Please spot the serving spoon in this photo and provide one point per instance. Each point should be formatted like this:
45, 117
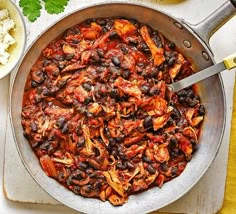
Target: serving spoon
227, 63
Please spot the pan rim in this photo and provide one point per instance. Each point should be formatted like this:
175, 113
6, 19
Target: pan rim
102, 4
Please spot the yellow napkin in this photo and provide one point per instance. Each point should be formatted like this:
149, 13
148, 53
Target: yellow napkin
229, 205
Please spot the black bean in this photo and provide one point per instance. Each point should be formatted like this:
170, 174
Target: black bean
115, 70
89, 114
54, 90
171, 103
39, 90
100, 53
170, 122
69, 56
119, 148
144, 73
87, 86
114, 93
140, 64
150, 169
146, 159
88, 100
154, 73
38, 98
61, 122
101, 21
175, 114
69, 180
144, 47
130, 165
38, 76
174, 153
105, 29
75, 40
191, 102
113, 35
46, 62
92, 175
181, 99
65, 129
61, 177
76, 190
159, 44
171, 61
173, 143
58, 57
126, 74
171, 45
33, 126
51, 137
194, 144
190, 94
107, 131
120, 165
100, 69
125, 50
157, 41
119, 139
182, 93
34, 84
144, 89
97, 185
83, 165
116, 61
174, 170
154, 91
201, 110
95, 57
122, 156
112, 141
164, 167
62, 83
45, 145
80, 142
133, 21
35, 144
133, 41
87, 188
114, 153
51, 150
148, 123
182, 122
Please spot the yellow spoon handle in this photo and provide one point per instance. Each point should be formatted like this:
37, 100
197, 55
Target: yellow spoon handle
230, 61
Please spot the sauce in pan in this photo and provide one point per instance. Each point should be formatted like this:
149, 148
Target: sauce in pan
98, 115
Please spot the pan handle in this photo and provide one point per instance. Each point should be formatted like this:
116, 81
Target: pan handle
206, 28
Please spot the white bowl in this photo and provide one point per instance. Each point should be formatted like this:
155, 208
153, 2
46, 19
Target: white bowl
19, 34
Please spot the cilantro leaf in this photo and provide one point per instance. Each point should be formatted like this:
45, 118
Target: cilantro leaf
55, 7
31, 8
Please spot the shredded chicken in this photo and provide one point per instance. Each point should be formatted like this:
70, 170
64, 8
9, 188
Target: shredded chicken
98, 114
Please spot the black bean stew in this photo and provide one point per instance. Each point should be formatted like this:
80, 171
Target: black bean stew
98, 115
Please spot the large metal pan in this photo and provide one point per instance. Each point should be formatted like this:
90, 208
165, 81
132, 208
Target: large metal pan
193, 42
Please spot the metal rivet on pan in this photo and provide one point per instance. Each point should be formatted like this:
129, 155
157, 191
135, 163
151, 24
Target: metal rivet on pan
178, 25
187, 44
205, 55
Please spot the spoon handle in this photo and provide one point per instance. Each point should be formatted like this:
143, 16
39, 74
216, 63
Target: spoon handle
228, 63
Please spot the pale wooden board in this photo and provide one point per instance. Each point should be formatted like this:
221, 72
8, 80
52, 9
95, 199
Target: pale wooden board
206, 197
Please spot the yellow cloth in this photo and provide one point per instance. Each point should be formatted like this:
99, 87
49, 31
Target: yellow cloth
229, 205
